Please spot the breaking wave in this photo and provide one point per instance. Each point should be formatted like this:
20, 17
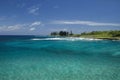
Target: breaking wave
66, 39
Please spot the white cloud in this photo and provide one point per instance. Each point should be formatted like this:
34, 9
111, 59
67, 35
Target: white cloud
64, 29
34, 25
34, 10
30, 26
10, 28
89, 23
37, 23
58, 29
16, 27
32, 29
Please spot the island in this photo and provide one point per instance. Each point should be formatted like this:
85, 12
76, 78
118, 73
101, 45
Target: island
106, 35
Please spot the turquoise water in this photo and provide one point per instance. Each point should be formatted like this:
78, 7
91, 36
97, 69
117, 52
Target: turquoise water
43, 58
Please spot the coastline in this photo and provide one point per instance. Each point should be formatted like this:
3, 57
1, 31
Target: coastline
104, 35
104, 38
109, 38
89, 37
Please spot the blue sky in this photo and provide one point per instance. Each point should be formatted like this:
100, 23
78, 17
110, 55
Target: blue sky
38, 17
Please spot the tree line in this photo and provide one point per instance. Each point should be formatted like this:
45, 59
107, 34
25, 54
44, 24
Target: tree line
61, 33
111, 33
115, 33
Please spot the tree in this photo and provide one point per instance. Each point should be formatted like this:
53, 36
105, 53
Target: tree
54, 33
63, 33
71, 33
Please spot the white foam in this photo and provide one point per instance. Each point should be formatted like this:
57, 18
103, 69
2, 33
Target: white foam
67, 39
35, 39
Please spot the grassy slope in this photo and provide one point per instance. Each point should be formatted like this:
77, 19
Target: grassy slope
112, 35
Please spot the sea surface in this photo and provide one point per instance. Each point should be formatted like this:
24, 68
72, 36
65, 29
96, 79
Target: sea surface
49, 58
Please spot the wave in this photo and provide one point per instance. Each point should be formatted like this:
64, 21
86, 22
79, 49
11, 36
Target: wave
66, 39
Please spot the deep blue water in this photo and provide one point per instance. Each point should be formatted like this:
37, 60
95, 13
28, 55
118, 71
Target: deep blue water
45, 58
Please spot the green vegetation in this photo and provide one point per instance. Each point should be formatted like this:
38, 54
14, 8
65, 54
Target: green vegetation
61, 33
113, 35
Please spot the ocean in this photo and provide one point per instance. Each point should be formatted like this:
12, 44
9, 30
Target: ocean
49, 58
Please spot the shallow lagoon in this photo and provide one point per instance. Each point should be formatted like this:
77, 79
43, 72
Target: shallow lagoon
42, 58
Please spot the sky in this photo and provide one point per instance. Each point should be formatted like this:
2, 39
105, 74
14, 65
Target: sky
40, 17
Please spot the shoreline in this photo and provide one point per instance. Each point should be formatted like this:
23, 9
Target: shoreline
88, 38
104, 38
104, 35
